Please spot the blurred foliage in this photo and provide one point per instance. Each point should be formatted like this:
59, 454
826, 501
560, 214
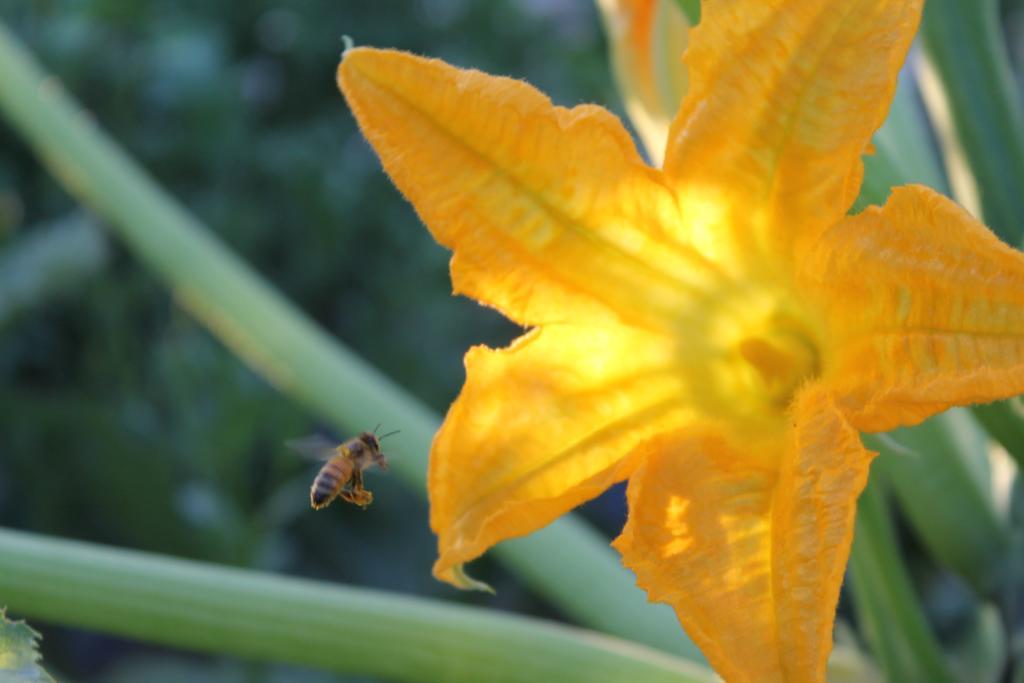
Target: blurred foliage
126, 423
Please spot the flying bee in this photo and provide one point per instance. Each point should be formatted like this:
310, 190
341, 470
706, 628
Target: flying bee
342, 473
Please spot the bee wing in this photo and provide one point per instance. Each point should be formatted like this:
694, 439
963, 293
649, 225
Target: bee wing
315, 447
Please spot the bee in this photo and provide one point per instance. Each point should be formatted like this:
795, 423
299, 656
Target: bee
342, 473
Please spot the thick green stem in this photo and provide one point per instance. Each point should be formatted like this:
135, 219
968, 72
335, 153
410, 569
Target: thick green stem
584, 578
966, 46
884, 599
260, 616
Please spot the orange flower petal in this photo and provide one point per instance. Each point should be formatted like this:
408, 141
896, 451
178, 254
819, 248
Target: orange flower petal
541, 427
647, 39
551, 212
925, 310
784, 97
751, 556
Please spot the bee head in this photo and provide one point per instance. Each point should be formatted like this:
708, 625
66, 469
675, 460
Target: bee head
371, 441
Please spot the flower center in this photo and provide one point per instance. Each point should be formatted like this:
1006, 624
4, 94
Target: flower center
782, 358
757, 345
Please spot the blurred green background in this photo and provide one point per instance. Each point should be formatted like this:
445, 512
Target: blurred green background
123, 421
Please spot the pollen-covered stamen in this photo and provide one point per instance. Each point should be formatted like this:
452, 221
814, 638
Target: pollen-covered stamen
783, 359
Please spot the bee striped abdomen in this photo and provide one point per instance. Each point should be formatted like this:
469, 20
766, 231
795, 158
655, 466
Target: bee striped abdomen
329, 482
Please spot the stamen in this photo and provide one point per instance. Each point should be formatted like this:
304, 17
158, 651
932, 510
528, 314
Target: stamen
783, 359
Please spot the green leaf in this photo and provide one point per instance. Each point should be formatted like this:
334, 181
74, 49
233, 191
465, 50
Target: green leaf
904, 140
883, 597
904, 152
967, 48
1004, 421
19, 656
691, 8
982, 650
944, 487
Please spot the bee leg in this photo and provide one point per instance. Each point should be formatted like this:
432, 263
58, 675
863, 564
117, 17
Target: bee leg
355, 493
362, 497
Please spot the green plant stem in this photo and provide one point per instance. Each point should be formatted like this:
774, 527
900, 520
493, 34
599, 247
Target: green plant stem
583, 578
884, 599
260, 616
943, 485
966, 46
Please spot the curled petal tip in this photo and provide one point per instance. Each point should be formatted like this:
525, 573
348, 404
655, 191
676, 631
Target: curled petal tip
458, 577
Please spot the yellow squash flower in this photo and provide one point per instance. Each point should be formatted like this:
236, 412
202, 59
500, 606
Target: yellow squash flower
717, 332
